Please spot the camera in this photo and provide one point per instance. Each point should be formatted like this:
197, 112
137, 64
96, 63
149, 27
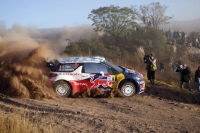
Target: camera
146, 57
179, 68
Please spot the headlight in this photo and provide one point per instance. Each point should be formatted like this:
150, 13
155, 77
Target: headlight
137, 78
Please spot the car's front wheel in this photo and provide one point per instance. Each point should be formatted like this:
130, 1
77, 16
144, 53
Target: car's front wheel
62, 88
128, 89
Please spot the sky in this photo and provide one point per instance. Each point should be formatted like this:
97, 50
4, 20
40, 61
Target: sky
73, 13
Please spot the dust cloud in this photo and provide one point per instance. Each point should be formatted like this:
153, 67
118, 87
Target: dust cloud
23, 72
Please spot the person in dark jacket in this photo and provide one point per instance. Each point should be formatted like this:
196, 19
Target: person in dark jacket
185, 73
197, 77
162, 67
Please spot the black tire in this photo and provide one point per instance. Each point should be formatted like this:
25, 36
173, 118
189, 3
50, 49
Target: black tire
128, 89
62, 88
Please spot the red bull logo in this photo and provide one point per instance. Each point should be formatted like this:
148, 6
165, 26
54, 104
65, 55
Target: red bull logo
102, 81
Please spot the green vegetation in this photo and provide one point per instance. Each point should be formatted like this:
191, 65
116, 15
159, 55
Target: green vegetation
152, 41
113, 21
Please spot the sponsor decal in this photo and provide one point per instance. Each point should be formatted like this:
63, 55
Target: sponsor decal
80, 84
71, 74
75, 83
101, 81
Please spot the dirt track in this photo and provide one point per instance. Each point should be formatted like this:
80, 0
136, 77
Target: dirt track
141, 113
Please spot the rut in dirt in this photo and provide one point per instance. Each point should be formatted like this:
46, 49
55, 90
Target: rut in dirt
164, 91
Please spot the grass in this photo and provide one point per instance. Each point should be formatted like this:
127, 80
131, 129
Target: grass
15, 123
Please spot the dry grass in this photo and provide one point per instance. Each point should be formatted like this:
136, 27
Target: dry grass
15, 123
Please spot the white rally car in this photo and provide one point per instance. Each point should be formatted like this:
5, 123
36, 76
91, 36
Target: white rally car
76, 74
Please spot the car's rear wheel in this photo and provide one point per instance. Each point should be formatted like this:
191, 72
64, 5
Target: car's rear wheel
128, 89
62, 88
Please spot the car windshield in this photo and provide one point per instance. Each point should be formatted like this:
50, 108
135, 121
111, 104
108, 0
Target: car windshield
119, 69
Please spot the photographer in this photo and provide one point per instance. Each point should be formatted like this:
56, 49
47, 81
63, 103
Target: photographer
184, 75
151, 68
197, 78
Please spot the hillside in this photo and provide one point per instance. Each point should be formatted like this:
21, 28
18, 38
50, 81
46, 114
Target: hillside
186, 26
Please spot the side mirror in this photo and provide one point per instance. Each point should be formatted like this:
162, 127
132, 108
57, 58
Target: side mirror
102, 73
51, 65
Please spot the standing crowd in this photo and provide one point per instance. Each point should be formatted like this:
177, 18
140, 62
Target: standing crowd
182, 38
184, 70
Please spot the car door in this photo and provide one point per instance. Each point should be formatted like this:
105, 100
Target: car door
96, 75
71, 72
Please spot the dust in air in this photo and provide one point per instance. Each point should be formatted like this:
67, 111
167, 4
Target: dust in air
22, 68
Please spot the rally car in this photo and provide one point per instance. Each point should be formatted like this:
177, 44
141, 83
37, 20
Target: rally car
72, 75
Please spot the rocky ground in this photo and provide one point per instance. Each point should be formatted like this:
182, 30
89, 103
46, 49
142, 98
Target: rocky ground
152, 111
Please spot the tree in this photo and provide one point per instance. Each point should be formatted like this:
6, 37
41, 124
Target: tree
156, 44
153, 13
113, 21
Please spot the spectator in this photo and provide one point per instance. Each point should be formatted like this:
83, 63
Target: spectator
173, 41
197, 42
197, 77
185, 76
162, 67
170, 42
174, 66
171, 34
194, 41
183, 35
149, 23
144, 19
151, 68
166, 34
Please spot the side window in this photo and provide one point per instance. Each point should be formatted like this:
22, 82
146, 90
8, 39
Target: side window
68, 67
110, 71
95, 68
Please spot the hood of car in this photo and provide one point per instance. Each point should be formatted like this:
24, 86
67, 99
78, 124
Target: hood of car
132, 73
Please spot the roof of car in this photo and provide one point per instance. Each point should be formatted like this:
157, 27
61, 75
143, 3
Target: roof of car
81, 59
